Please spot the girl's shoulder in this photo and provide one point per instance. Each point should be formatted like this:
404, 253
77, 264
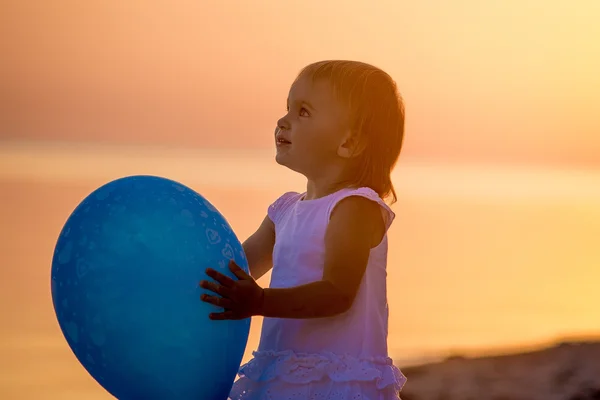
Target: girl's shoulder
368, 193
282, 204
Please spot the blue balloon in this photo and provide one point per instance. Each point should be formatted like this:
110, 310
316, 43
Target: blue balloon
125, 277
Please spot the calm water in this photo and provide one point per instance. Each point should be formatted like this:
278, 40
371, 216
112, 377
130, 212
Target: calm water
474, 264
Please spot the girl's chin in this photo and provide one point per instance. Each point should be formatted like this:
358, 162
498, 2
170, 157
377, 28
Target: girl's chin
281, 156
281, 162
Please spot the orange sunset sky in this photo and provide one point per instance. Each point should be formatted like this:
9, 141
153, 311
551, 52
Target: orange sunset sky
505, 81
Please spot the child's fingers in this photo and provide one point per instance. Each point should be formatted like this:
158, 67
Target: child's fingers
214, 287
217, 301
237, 270
223, 316
219, 277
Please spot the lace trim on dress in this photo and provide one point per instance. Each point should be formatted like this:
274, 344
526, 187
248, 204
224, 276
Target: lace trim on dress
302, 368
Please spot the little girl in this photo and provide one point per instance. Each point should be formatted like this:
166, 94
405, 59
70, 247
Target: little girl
324, 335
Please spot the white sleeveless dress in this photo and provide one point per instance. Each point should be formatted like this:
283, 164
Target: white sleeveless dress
341, 357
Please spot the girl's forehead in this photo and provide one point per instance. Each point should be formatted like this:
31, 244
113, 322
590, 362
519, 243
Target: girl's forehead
315, 91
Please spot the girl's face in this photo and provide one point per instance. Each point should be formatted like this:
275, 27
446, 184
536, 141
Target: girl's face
309, 136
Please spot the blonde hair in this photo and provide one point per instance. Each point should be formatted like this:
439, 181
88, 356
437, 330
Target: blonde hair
376, 113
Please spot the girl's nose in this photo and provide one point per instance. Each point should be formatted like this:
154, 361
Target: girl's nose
283, 124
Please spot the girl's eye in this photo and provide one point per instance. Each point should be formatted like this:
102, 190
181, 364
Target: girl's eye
304, 112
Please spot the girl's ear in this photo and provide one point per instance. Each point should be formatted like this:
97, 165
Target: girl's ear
351, 146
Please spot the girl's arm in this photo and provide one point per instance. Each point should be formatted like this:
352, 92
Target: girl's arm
355, 227
259, 249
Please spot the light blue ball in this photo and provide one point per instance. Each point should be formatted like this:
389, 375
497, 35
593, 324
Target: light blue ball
125, 277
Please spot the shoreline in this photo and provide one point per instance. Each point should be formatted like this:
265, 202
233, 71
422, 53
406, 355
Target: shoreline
566, 371
495, 352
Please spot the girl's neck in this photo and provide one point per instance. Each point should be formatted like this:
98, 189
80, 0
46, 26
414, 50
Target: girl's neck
316, 189
328, 179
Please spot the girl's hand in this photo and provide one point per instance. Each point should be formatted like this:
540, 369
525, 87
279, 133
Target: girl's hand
240, 299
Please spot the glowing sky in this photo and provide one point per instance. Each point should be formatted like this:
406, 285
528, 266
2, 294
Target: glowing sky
482, 80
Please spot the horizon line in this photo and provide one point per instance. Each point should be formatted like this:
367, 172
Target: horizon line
74, 161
